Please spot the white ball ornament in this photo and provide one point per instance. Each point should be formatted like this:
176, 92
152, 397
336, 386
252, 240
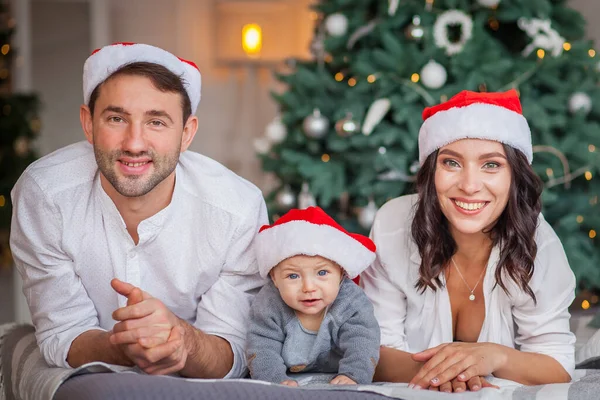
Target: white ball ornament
336, 24
580, 101
285, 198
489, 3
276, 131
262, 145
366, 215
433, 75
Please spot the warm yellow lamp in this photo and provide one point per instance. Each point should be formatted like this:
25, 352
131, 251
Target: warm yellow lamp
252, 39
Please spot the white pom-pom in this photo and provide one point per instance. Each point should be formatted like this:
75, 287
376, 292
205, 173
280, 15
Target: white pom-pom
433, 75
580, 101
336, 24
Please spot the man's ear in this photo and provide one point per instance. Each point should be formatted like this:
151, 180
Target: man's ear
189, 131
85, 116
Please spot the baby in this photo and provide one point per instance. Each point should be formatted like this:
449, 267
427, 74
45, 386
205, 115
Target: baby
310, 316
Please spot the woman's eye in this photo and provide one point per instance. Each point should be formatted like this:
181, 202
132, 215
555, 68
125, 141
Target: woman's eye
491, 165
451, 163
322, 272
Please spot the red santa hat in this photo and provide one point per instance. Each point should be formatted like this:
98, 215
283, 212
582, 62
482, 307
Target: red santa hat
312, 232
491, 116
105, 61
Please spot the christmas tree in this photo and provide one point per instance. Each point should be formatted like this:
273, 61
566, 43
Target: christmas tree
18, 126
346, 137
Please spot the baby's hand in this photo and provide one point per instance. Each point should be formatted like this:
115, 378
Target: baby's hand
342, 380
290, 382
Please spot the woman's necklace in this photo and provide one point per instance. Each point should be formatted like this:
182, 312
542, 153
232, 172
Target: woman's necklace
471, 296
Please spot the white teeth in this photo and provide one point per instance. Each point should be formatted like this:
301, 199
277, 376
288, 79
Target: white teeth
136, 164
469, 206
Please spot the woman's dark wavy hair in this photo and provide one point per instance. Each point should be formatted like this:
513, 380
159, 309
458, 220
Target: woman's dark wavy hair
514, 231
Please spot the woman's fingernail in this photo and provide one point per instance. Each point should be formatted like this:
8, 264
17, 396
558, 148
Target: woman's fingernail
461, 377
410, 386
435, 381
417, 387
459, 390
475, 387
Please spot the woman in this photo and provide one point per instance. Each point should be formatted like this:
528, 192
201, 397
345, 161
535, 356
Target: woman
470, 280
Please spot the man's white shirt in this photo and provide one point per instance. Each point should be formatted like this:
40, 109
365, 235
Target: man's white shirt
196, 255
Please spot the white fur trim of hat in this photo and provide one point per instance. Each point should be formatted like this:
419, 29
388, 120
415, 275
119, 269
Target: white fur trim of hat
312, 232
105, 61
472, 115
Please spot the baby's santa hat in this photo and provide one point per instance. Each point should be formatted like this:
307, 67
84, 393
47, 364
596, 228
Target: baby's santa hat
472, 115
105, 61
312, 232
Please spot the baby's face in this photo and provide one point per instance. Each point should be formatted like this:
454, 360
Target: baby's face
307, 284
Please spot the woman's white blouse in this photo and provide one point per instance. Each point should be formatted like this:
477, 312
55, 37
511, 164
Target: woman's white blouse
413, 321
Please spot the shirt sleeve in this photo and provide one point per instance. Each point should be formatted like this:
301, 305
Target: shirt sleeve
388, 299
266, 337
60, 307
544, 327
359, 341
223, 310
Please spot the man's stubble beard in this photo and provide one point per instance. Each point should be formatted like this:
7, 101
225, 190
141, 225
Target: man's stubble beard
137, 185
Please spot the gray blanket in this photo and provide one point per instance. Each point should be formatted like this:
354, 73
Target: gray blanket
25, 375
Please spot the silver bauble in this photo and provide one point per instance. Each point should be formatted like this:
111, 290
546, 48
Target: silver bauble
366, 215
276, 131
347, 126
414, 31
415, 167
580, 101
315, 126
285, 198
306, 198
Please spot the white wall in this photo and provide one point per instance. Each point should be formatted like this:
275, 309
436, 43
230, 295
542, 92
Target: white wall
235, 104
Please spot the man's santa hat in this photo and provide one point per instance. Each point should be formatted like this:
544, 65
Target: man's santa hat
107, 60
491, 116
312, 232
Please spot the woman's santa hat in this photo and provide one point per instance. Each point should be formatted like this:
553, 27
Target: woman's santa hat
107, 60
311, 232
472, 115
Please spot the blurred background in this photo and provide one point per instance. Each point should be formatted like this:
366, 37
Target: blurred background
319, 102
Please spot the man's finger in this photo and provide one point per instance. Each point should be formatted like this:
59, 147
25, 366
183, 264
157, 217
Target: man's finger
136, 296
135, 311
135, 335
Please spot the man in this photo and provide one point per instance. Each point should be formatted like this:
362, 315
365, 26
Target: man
141, 255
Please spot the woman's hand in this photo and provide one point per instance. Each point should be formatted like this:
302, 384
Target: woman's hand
463, 361
474, 384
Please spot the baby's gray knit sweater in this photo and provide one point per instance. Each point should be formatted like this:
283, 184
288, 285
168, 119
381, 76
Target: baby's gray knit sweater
347, 342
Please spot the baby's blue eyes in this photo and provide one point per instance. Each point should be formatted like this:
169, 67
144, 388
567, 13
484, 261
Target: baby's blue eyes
322, 272
293, 276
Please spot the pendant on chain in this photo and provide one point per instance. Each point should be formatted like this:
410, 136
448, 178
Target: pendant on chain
472, 297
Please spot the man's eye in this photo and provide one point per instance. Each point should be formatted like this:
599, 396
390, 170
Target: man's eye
115, 119
157, 123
